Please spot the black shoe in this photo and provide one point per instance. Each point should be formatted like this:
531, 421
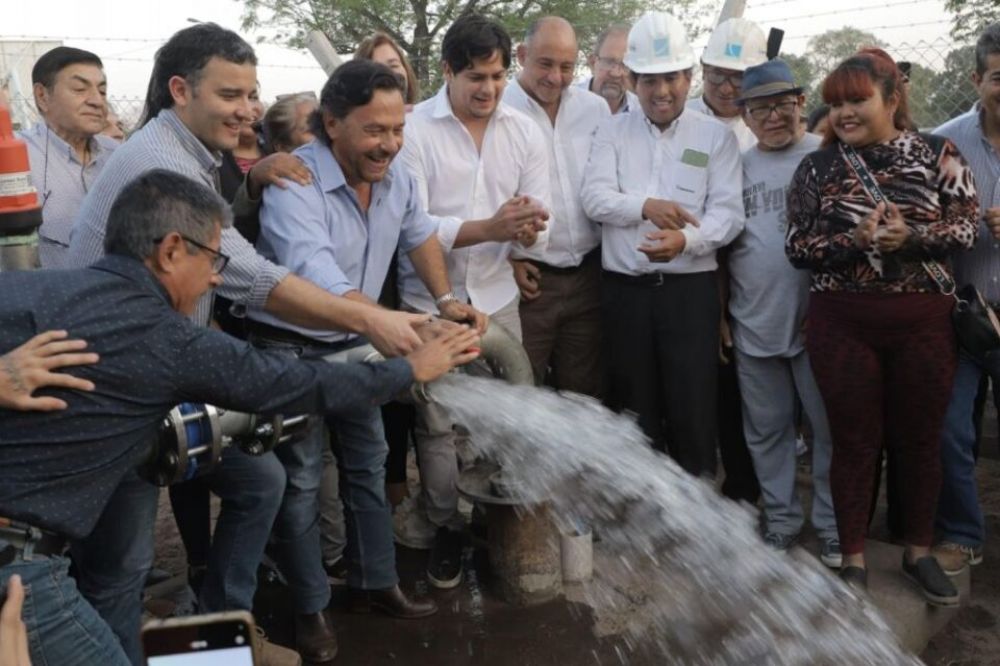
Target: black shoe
444, 568
315, 638
855, 577
336, 571
391, 601
936, 587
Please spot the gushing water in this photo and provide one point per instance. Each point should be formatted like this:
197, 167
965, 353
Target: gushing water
690, 579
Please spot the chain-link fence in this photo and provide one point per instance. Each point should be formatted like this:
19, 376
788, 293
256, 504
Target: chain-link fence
940, 86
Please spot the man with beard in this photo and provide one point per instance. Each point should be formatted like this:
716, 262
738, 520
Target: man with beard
609, 77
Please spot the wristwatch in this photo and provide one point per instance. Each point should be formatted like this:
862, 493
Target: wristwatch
445, 298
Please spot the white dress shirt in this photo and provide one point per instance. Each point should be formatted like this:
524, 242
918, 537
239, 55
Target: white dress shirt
631, 99
694, 162
743, 134
568, 145
457, 182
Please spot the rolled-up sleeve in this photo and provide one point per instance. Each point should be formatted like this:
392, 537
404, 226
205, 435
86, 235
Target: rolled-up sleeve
294, 230
602, 196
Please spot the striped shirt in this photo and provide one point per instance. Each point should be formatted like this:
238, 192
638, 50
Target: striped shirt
166, 143
62, 181
980, 266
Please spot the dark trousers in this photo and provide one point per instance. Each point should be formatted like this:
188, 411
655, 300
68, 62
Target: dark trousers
884, 364
740, 483
562, 327
662, 346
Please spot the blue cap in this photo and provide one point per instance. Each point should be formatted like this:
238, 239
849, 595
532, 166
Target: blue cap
773, 77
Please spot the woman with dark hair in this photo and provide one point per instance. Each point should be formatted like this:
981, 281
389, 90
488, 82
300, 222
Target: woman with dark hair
383, 49
874, 214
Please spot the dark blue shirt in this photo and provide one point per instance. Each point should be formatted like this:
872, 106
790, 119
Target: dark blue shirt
58, 469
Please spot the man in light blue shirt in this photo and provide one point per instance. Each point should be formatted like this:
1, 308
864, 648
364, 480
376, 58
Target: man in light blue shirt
65, 148
341, 232
960, 523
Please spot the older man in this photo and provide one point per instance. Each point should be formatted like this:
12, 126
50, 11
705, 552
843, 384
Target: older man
561, 290
609, 75
767, 302
665, 185
59, 470
66, 148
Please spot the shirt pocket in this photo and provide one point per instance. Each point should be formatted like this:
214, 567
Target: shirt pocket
687, 185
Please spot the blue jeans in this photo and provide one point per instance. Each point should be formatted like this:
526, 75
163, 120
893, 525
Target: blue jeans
112, 561
959, 515
62, 627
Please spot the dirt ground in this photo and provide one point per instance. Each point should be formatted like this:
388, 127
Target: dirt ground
476, 628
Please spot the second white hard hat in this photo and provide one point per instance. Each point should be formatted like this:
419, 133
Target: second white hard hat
658, 44
736, 44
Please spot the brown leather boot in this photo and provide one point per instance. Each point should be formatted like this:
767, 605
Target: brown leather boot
315, 638
391, 601
272, 654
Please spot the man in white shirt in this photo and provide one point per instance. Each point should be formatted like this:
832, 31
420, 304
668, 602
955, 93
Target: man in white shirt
561, 291
735, 44
482, 167
666, 186
609, 75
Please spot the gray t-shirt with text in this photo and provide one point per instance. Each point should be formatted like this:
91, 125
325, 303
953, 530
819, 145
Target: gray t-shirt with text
768, 296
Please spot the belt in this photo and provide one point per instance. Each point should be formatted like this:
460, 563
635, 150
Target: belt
27, 541
566, 270
644, 280
263, 330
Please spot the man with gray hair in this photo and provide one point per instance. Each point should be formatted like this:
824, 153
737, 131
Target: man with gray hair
59, 470
960, 524
609, 75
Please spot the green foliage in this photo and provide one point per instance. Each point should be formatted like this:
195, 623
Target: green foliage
953, 93
419, 25
971, 16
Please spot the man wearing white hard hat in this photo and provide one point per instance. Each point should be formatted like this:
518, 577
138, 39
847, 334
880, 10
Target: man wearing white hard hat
735, 44
666, 186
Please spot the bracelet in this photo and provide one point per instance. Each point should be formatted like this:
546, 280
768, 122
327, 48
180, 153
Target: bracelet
445, 298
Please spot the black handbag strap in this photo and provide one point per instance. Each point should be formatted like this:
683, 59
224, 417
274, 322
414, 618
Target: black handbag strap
934, 269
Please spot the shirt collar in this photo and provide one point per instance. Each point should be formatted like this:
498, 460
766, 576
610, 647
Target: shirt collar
59, 146
208, 159
135, 271
329, 172
655, 131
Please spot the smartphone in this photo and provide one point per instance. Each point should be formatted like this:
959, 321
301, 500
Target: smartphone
215, 639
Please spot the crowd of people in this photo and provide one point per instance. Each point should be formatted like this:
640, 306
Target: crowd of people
738, 282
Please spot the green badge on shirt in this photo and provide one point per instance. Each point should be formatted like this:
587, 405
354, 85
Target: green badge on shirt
695, 158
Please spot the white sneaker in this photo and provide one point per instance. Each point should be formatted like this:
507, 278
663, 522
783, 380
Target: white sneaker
410, 526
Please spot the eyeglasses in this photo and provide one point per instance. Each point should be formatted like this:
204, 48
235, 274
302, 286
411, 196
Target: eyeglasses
219, 260
611, 64
715, 77
785, 108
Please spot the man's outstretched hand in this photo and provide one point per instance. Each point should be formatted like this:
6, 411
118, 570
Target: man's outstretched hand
439, 355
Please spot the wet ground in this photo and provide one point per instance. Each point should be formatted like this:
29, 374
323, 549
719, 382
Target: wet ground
475, 627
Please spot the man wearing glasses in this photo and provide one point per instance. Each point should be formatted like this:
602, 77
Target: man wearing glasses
59, 470
768, 306
735, 44
610, 76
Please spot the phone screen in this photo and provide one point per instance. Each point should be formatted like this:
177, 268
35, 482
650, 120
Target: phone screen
220, 642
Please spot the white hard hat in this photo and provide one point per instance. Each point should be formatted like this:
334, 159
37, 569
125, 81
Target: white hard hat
658, 44
736, 44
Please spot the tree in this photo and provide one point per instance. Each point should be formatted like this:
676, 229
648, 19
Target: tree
971, 16
418, 25
923, 109
953, 93
802, 72
827, 50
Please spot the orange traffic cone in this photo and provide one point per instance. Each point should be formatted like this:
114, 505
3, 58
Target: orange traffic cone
20, 214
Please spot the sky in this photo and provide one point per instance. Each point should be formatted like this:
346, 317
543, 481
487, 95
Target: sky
126, 33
